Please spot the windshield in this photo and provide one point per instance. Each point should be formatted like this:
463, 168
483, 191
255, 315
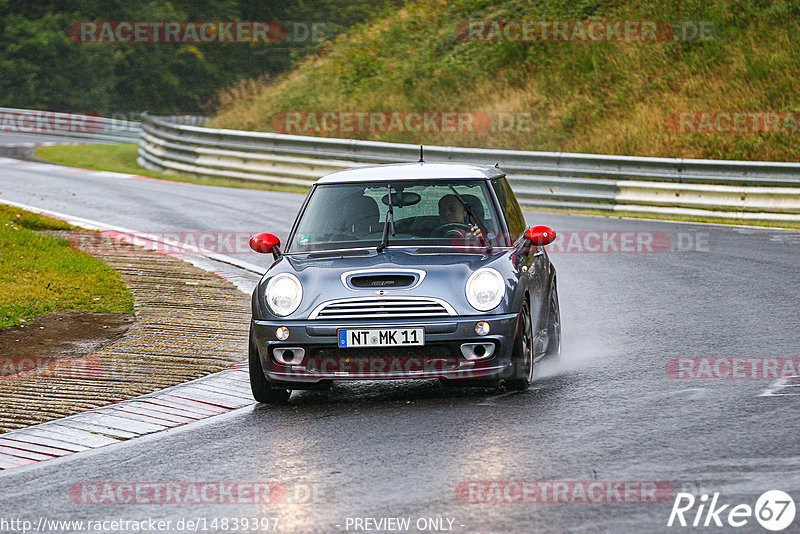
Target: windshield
341, 216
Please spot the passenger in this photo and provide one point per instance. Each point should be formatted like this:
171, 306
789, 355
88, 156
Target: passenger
361, 216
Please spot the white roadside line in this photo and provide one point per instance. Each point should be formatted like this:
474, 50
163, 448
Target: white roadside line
780, 387
178, 405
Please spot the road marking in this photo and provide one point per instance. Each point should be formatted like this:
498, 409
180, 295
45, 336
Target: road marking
781, 387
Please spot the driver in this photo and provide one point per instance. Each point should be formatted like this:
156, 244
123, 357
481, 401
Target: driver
451, 211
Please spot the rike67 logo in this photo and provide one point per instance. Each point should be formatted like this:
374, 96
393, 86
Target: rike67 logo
774, 510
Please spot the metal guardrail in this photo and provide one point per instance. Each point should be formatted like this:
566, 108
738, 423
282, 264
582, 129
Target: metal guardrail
658, 186
80, 125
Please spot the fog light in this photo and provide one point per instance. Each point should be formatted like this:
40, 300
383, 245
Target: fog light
482, 328
282, 333
289, 355
477, 351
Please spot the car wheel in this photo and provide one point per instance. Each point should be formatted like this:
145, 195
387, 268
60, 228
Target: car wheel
262, 391
523, 352
554, 327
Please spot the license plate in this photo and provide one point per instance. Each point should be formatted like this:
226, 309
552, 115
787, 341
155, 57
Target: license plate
381, 337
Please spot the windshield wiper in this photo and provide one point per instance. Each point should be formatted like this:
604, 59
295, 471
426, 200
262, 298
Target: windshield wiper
389, 217
478, 223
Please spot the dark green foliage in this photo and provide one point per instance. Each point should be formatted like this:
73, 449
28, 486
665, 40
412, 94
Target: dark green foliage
42, 68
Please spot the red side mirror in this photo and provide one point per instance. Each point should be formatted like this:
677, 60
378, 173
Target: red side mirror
264, 243
540, 235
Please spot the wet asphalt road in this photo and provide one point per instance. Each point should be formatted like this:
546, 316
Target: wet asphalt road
7, 139
608, 412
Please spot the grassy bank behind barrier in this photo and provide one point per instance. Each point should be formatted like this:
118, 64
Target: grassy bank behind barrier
608, 96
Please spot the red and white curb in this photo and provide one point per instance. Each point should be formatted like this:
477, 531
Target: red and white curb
175, 406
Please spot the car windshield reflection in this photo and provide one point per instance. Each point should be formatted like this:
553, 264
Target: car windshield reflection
455, 213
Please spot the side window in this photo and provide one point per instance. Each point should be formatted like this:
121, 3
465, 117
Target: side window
510, 207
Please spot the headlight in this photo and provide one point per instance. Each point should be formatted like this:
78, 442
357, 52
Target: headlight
284, 294
485, 289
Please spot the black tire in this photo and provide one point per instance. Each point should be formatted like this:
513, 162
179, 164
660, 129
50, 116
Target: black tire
262, 391
523, 352
554, 327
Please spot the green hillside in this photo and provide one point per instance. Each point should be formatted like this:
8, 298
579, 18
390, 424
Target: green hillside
604, 96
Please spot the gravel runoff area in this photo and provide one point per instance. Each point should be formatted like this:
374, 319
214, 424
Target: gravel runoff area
189, 323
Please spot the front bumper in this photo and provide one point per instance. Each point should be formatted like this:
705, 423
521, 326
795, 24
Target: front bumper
440, 357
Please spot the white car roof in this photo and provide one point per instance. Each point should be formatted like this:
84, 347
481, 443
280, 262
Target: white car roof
412, 171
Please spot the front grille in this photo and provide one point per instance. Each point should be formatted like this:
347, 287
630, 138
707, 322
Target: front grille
382, 308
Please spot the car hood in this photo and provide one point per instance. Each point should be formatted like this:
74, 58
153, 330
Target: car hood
445, 277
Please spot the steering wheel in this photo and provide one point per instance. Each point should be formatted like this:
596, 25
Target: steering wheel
454, 229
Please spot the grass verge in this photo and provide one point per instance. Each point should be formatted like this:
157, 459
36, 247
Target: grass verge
40, 274
122, 158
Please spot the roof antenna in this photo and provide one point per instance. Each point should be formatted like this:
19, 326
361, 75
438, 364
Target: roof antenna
420, 155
